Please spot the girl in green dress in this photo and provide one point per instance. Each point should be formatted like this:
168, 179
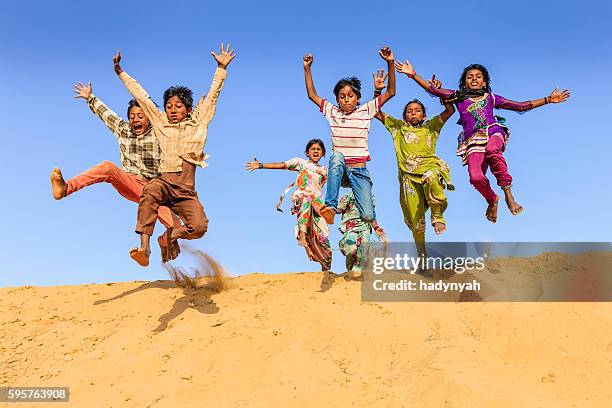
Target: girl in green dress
423, 176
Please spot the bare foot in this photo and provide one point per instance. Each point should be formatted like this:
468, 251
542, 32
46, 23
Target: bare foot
328, 214
58, 185
168, 252
491, 213
140, 255
514, 207
439, 227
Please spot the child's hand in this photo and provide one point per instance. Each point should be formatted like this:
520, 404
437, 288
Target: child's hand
308, 59
379, 79
82, 91
226, 56
386, 54
252, 165
436, 83
404, 68
116, 60
381, 234
557, 97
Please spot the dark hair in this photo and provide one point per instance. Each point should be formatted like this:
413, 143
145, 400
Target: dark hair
131, 104
353, 82
313, 142
183, 93
485, 75
414, 101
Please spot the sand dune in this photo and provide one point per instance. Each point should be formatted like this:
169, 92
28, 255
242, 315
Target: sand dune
283, 340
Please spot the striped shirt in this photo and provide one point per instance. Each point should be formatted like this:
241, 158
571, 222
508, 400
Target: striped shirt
349, 131
139, 155
184, 140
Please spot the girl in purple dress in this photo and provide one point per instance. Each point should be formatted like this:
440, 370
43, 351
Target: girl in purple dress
484, 135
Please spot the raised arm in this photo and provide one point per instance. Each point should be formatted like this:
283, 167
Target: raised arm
310, 88
554, 97
138, 92
256, 164
406, 68
206, 107
379, 84
386, 54
113, 121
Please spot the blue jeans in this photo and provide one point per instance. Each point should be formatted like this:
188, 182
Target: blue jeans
360, 182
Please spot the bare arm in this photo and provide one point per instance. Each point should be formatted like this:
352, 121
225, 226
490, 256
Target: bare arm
449, 108
406, 68
379, 85
310, 88
256, 164
386, 54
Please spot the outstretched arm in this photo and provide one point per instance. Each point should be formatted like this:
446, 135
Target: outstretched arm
205, 109
554, 97
137, 92
113, 121
379, 85
386, 54
256, 164
310, 88
406, 68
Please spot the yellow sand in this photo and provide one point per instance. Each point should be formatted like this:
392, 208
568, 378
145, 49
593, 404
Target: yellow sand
278, 340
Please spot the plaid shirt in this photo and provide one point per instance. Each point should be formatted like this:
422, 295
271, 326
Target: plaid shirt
184, 140
139, 155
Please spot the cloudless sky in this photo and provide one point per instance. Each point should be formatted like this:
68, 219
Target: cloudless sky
559, 155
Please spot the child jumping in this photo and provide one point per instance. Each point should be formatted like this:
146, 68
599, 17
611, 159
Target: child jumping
350, 126
356, 233
139, 154
422, 175
311, 229
484, 135
182, 136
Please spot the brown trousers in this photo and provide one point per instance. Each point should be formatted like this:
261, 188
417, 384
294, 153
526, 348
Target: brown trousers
176, 191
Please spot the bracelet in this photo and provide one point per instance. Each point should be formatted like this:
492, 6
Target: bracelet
546, 100
412, 75
261, 165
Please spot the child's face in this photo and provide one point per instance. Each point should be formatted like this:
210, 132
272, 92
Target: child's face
347, 99
139, 123
474, 79
176, 110
414, 114
315, 153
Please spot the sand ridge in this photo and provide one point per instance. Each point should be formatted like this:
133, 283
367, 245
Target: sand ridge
286, 340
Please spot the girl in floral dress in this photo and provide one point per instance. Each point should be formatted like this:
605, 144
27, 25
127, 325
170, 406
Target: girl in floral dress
311, 229
484, 135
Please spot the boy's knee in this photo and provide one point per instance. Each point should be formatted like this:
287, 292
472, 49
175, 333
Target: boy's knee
198, 229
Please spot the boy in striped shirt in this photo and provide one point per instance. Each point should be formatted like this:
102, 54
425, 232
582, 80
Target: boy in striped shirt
350, 126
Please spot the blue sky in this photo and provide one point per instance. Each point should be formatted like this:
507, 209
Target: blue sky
558, 154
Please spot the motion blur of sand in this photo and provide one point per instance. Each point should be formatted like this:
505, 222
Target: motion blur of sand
283, 340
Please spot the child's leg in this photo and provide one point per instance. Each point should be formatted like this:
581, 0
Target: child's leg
477, 168
335, 171
436, 199
192, 213
361, 184
499, 168
412, 201
362, 251
105, 172
153, 194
